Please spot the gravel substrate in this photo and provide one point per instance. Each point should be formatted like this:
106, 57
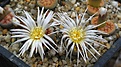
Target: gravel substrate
51, 58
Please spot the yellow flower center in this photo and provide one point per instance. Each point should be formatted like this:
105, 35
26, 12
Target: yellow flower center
36, 33
76, 35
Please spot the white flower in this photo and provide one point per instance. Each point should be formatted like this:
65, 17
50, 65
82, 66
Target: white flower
102, 11
34, 32
1, 10
78, 36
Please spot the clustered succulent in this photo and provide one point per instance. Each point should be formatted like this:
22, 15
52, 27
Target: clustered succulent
77, 34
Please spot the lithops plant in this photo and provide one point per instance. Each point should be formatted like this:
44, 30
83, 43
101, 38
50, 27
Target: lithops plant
94, 5
48, 4
108, 27
6, 18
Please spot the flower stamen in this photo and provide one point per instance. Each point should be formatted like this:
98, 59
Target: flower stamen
36, 33
76, 35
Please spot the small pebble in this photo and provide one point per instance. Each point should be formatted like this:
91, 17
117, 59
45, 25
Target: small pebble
50, 66
52, 52
114, 36
110, 38
7, 38
13, 40
73, 1
77, 9
119, 16
45, 60
45, 65
33, 11
108, 45
119, 33
32, 4
90, 65
60, 63
66, 66
4, 31
28, 0
64, 62
111, 42
93, 60
73, 15
55, 59
15, 47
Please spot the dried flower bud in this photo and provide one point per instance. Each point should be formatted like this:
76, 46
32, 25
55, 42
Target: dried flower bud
115, 4
102, 11
1, 10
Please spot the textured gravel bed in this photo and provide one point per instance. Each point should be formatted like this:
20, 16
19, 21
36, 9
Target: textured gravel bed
51, 58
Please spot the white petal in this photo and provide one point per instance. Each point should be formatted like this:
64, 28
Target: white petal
48, 18
64, 21
23, 33
30, 18
91, 34
41, 47
38, 16
53, 32
67, 21
64, 30
39, 22
32, 48
24, 20
85, 50
30, 42
50, 39
80, 52
20, 40
83, 15
23, 48
91, 17
95, 26
69, 43
77, 19
95, 31
21, 25
92, 47
90, 27
91, 53
49, 45
26, 46
40, 52
43, 17
21, 30
53, 24
36, 45
72, 22
15, 36
44, 43
96, 38
82, 48
92, 41
15, 20
64, 36
70, 50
